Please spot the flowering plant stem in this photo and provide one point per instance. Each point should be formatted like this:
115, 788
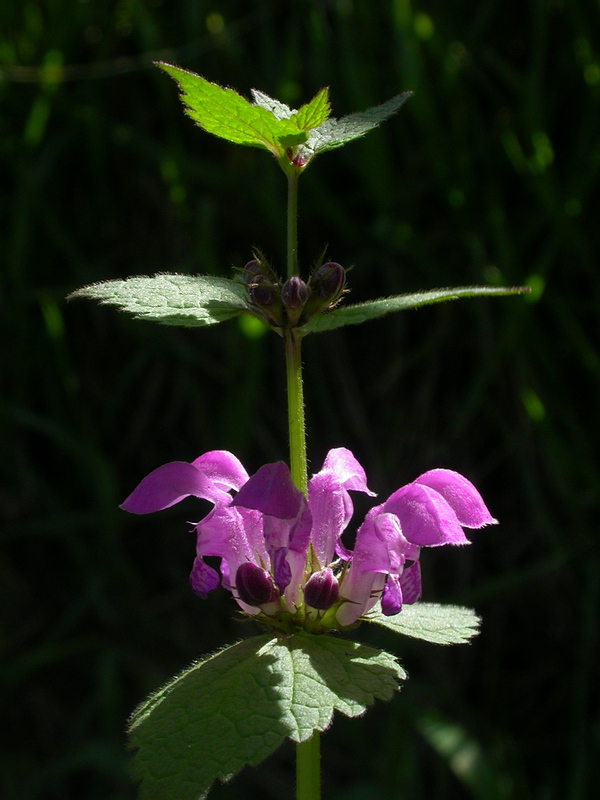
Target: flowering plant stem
292, 222
297, 436
308, 772
308, 753
277, 534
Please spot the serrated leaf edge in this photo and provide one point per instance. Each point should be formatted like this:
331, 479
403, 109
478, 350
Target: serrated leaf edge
428, 298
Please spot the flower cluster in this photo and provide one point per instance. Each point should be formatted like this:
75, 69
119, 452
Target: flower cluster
281, 553
294, 302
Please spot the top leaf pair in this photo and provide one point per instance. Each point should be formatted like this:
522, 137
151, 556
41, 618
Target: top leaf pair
294, 137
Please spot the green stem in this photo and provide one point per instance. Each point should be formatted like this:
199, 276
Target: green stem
308, 754
297, 433
293, 358
308, 772
292, 223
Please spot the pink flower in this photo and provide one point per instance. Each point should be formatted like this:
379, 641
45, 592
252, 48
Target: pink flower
273, 541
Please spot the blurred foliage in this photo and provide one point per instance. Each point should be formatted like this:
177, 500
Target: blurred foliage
488, 175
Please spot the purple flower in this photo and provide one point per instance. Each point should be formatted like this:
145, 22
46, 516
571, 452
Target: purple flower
274, 542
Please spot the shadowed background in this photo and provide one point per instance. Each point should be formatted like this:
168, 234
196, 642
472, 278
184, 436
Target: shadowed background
487, 175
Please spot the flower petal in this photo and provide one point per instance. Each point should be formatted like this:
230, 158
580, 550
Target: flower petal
331, 510
391, 599
393, 542
346, 468
425, 516
271, 491
410, 583
461, 495
203, 578
170, 484
372, 547
223, 469
376, 545
361, 590
234, 534
282, 572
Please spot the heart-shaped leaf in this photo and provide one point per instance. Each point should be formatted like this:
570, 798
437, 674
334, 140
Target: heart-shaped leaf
235, 707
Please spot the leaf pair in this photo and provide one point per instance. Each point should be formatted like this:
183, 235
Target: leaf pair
196, 301
294, 137
290, 135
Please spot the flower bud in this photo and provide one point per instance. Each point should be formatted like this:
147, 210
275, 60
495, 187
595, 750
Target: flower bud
321, 590
328, 281
261, 292
265, 296
325, 288
254, 585
251, 271
294, 292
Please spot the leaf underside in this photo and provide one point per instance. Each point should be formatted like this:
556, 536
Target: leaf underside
440, 624
372, 309
334, 133
171, 299
237, 706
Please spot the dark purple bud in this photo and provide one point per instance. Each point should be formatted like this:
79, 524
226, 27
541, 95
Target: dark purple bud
294, 292
251, 271
254, 585
261, 292
321, 590
328, 281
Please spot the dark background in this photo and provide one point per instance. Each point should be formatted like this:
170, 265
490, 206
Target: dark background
487, 175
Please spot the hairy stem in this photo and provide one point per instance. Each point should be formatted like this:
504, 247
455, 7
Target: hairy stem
297, 433
308, 769
308, 754
292, 223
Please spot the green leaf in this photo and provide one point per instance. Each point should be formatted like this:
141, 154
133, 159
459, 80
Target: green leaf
276, 107
227, 114
314, 113
187, 300
337, 132
431, 622
237, 706
220, 714
362, 312
327, 674
308, 116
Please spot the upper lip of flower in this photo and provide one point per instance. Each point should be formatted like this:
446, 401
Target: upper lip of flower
271, 524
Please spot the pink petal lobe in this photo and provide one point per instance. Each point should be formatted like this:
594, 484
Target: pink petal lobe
203, 578
271, 491
223, 469
391, 599
410, 583
168, 485
425, 516
348, 471
331, 510
461, 496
